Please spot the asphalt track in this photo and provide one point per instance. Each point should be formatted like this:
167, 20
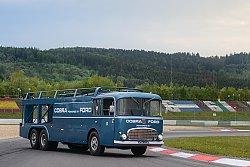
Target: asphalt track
17, 153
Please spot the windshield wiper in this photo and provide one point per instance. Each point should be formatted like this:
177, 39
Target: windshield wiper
148, 101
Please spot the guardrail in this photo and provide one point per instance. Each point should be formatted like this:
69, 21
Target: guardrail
206, 123
10, 121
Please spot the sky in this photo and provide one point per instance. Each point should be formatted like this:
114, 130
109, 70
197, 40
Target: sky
207, 27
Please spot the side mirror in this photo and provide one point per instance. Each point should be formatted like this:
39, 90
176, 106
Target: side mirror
112, 109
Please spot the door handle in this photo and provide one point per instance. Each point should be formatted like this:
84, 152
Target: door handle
95, 122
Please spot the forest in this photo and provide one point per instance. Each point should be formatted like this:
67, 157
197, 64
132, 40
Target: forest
18, 84
173, 76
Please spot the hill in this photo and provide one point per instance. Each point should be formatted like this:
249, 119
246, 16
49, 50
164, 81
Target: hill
132, 67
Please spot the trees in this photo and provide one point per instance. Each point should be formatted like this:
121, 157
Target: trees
209, 92
96, 81
18, 83
194, 77
135, 66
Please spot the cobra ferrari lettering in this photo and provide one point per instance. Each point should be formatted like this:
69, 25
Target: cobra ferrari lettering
153, 121
60, 110
80, 110
83, 110
133, 121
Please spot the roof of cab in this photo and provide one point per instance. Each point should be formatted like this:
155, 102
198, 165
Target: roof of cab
119, 95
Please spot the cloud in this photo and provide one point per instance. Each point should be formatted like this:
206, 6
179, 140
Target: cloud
209, 26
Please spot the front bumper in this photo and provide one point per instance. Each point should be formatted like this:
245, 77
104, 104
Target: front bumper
138, 143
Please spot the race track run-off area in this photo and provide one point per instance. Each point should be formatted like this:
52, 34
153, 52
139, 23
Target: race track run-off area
200, 157
17, 153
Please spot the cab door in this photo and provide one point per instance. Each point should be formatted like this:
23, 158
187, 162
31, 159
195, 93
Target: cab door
107, 125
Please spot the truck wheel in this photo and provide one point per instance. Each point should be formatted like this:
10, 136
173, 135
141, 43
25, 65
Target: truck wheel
94, 144
77, 147
34, 139
138, 151
46, 145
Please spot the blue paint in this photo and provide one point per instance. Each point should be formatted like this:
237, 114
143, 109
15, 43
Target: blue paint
70, 118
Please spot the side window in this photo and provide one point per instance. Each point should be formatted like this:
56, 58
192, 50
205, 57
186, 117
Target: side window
108, 107
97, 107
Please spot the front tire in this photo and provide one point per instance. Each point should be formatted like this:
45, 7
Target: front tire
46, 145
34, 139
138, 151
94, 144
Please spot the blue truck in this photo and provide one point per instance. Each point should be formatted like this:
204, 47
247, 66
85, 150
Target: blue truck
93, 118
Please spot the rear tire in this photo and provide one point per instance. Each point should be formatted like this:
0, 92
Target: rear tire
138, 151
94, 144
34, 139
46, 145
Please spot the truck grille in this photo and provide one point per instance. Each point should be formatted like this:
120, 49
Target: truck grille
142, 134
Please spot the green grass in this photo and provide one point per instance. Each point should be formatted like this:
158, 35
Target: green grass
220, 116
11, 115
8, 105
240, 127
235, 146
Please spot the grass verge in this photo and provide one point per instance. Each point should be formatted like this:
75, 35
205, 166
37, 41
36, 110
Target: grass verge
10, 115
211, 116
240, 127
235, 146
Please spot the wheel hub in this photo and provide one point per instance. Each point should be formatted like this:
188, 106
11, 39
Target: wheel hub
43, 140
94, 143
33, 138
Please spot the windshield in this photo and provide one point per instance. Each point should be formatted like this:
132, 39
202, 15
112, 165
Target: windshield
138, 107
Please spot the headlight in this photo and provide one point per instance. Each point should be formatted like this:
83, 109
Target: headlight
123, 136
160, 137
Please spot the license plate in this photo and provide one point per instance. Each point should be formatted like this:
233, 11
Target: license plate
142, 142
